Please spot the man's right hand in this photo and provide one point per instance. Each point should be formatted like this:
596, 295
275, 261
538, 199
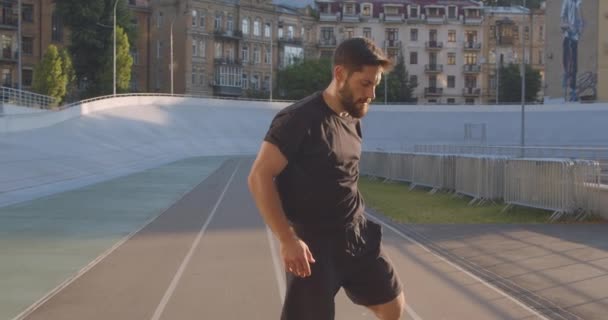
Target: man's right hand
297, 257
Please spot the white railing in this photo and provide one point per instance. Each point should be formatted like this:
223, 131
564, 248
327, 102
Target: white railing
25, 98
481, 178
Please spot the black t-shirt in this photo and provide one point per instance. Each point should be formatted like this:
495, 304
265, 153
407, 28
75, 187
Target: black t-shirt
318, 188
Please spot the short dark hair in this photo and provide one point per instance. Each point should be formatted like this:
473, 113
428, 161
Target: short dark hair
354, 53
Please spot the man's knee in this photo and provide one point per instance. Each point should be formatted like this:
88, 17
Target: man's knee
391, 310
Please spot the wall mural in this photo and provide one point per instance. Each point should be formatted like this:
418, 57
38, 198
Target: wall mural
572, 26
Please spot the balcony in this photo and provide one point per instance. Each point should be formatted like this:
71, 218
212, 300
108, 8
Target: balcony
471, 68
327, 43
433, 91
290, 41
472, 46
506, 41
392, 44
434, 45
471, 92
8, 55
415, 19
329, 17
433, 68
473, 20
351, 18
227, 61
8, 22
393, 18
228, 34
435, 19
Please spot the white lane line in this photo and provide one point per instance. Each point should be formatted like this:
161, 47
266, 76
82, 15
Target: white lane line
278, 270
499, 291
197, 240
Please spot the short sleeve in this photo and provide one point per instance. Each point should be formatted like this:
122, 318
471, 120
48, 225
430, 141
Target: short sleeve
287, 132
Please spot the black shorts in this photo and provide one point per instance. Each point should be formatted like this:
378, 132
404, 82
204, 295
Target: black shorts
354, 262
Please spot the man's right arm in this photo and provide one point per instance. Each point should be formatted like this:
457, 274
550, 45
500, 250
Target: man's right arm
268, 165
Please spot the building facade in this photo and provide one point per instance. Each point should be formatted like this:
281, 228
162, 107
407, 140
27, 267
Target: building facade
440, 41
509, 34
576, 51
225, 48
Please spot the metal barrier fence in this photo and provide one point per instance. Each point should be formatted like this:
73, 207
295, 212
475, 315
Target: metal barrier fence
25, 98
480, 177
566, 187
569, 188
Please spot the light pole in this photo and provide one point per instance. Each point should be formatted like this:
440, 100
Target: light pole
114, 56
171, 53
19, 51
523, 85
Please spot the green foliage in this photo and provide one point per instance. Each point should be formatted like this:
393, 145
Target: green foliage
49, 77
124, 62
91, 25
510, 84
303, 78
399, 87
532, 4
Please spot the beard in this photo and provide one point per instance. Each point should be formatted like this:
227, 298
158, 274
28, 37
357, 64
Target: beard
356, 109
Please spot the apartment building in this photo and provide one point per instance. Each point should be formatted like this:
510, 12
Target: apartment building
225, 47
140, 49
440, 41
503, 44
576, 51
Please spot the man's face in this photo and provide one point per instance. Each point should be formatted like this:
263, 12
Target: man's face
359, 89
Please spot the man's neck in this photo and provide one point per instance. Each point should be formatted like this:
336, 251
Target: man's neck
332, 100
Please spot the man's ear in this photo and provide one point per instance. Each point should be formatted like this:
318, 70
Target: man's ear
339, 73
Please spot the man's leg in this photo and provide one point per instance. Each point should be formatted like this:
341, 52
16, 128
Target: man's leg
391, 310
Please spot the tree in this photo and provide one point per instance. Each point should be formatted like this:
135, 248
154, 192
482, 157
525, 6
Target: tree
91, 32
303, 78
510, 84
400, 89
124, 62
49, 78
67, 68
532, 4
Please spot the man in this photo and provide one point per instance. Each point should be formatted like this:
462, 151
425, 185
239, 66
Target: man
304, 182
571, 25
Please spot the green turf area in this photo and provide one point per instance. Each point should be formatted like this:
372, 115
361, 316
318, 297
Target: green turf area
395, 200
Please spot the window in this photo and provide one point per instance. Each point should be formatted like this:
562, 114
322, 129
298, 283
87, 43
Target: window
541, 33
540, 57
527, 33
193, 78
201, 77
452, 12
391, 11
256, 28
267, 30
451, 82
7, 77
349, 33
280, 32
245, 26
201, 20
349, 9
451, 101
470, 82
218, 21
159, 19
202, 47
367, 10
229, 23
451, 35
367, 33
135, 56
230, 53
245, 53
470, 58
413, 34
194, 48
159, 48
492, 32
244, 81
290, 32
413, 57
27, 12
27, 76
266, 85
255, 82
413, 12
413, 80
27, 45
256, 54
218, 50
56, 28
451, 58
469, 101
267, 56
194, 18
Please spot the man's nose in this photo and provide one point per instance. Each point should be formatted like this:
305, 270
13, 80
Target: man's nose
371, 94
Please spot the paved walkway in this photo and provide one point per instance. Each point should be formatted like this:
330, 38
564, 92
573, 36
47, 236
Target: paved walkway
104, 252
